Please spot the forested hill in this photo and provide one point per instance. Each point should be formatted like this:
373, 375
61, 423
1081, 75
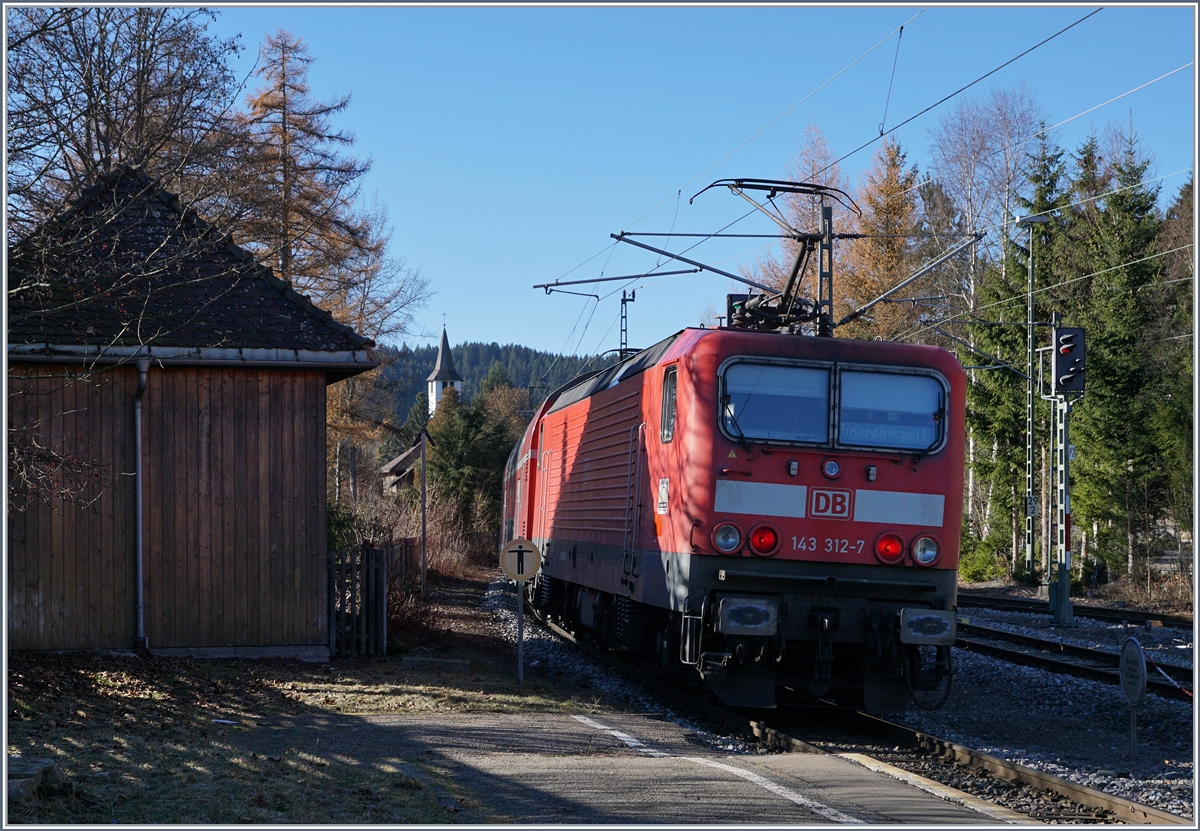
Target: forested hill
542, 372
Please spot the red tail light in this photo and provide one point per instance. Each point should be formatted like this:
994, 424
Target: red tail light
889, 548
764, 540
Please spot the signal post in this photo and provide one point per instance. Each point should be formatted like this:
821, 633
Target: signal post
1067, 384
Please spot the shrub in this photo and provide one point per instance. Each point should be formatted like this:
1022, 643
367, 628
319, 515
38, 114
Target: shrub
979, 560
339, 527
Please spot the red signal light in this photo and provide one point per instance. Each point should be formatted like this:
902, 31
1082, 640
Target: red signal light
764, 540
889, 548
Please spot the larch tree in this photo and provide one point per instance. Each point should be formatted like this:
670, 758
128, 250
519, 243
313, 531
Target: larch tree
886, 250
306, 221
301, 219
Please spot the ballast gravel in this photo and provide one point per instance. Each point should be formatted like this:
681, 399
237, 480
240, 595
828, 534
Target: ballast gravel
1071, 727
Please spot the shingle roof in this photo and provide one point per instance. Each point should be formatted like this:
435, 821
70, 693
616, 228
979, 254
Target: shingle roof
128, 266
443, 370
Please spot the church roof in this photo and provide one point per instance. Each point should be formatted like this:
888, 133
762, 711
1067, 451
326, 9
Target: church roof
443, 370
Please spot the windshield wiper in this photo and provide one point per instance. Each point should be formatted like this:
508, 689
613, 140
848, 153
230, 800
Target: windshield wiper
938, 415
730, 418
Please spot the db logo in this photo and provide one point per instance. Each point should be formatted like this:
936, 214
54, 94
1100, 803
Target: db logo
830, 503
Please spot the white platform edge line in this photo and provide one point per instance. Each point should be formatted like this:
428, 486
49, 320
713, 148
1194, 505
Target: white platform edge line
967, 800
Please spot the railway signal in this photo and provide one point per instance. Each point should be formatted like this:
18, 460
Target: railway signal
1066, 386
1068, 361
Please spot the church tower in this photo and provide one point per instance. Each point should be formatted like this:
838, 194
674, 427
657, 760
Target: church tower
443, 376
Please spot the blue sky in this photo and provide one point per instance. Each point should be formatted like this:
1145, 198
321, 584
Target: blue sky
509, 142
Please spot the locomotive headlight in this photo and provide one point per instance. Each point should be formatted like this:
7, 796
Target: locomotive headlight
727, 538
763, 540
889, 548
925, 550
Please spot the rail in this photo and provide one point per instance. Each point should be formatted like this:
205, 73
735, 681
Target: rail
967, 598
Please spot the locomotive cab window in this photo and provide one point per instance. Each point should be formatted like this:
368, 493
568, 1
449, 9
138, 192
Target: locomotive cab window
890, 410
667, 421
776, 403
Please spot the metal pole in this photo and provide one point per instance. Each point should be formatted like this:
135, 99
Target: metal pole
1063, 614
825, 275
520, 633
1132, 732
140, 640
424, 537
625, 321
1030, 502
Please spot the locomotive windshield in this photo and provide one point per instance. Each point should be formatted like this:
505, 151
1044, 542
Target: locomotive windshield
777, 403
885, 410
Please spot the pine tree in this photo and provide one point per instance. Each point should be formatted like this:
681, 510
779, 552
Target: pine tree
996, 397
1121, 485
1169, 349
497, 376
467, 457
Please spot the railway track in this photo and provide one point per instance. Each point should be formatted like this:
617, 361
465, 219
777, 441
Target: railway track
968, 598
918, 753
1084, 662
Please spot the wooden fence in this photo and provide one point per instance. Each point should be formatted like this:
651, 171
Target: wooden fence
360, 581
358, 584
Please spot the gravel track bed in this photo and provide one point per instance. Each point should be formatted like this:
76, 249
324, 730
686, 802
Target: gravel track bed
1071, 727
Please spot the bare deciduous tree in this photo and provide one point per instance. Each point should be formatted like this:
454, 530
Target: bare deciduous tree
93, 88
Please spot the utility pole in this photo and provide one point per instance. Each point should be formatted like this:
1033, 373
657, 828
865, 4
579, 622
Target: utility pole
424, 502
1030, 398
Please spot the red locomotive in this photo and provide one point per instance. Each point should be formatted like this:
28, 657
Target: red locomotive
778, 513
772, 510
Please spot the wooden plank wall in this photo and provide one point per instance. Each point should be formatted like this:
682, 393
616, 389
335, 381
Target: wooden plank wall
70, 564
234, 464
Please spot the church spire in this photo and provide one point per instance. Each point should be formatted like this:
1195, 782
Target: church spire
443, 376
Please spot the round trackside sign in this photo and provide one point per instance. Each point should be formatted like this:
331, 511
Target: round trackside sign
520, 560
1133, 671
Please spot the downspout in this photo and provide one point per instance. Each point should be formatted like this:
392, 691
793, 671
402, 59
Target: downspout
141, 642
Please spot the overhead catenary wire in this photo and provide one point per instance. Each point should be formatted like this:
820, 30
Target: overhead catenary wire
895, 61
899, 32
779, 117
751, 138
927, 109
1021, 297
1046, 130
961, 90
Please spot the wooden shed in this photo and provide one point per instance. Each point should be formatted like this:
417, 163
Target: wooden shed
134, 324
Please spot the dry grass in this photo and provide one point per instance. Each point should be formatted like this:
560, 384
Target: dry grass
138, 741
